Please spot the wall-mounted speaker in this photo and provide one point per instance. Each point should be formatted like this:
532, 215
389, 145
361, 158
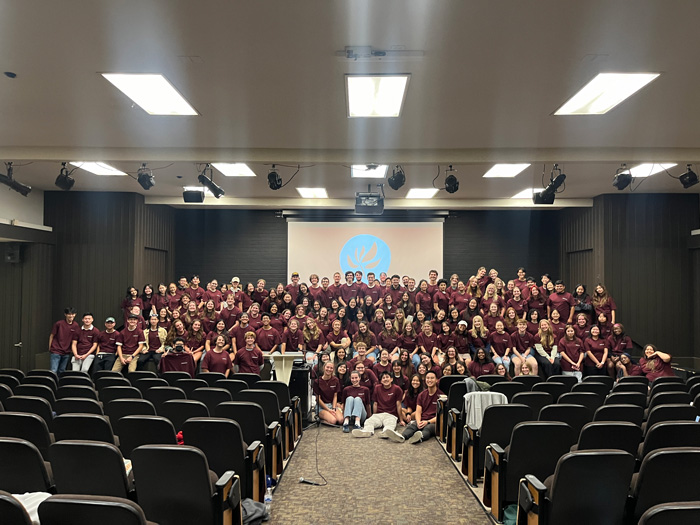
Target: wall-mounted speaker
12, 253
193, 196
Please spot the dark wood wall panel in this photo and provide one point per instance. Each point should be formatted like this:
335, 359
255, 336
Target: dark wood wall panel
503, 240
10, 315
155, 267
222, 244
648, 265
95, 249
580, 270
154, 231
695, 294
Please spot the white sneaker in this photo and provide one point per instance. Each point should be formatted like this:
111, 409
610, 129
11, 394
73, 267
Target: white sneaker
394, 436
383, 434
416, 438
361, 433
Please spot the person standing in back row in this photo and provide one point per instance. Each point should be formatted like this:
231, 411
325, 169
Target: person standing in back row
84, 345
61, 340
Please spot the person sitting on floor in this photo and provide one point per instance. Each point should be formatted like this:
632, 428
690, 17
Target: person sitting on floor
423, 425
386, 408
356, 399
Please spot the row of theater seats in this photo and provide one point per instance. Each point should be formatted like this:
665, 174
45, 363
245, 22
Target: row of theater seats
567, 451
82, 427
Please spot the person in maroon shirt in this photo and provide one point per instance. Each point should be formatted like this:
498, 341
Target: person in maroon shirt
389, 338
655, 363
213, 294
537, 301
533, 318
582, 328
423, 425
430, 365
229, 311
397, 375
237, 333
459, 299
195, 291
424, 300
132, 299
177, 358
523, 348
327, 389
383, 364
107, 346
491, 297
218, 360
155, 343
356, 399
558, 328
220, 329
249, 359
596, 353
260, 293
292, 338
428, 341
61, 340
604, 325
293, 287
373, 290
562, 301
481, 364
603, 303
571, 351
441, 299
501, 345
173, 297
618, 344
131, 345
348, 290
395, 290
84, 344
337, 338
492, 317
410, 397
521, 283
386, 409
268, 338
518, 303
325, 294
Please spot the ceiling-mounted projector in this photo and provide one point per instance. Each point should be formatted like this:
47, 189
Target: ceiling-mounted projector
369, 202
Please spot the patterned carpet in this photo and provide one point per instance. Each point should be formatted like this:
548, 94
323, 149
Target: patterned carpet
372, 481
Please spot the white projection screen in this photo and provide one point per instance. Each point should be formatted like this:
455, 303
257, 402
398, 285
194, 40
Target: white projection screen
404, 248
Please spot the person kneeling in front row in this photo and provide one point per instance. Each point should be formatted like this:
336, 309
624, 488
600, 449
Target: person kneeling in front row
423, 426
386, 409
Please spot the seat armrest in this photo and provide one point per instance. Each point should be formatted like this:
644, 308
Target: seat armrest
295, 401
256, 453
531, 499
274, 430
452, 417
440, 406
229, 482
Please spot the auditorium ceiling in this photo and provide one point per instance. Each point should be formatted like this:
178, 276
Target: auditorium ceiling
267, 79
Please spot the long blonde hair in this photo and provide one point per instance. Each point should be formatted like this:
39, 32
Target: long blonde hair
483, 332
546, 337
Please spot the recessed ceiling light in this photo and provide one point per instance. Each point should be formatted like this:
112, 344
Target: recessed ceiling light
153, 93
505, 170
646, 170
368, 171
313, 193
237, 169
198, 188
605, 92
98, 168
525, 194
421, 193
375, 96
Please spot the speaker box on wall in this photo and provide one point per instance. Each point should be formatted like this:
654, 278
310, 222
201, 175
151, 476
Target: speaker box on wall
193, 196
12, 253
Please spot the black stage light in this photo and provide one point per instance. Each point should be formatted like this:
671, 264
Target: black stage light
689, 178
451, 182
547, 195
145, 177
208, 183
20, 188
273, 179
397, 179
64, 181
623, 178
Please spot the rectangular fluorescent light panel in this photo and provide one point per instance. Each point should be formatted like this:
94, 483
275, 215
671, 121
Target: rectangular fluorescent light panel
605, 92
505, 170
98, 168
153, 93
646, 170
375, 96
525, 194
361, 171
421, 193
313, 193
237, 169
198, 188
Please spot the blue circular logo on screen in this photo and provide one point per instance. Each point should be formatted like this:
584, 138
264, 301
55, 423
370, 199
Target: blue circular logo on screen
366, 253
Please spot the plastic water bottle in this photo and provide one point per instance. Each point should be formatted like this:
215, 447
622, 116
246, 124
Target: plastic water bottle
268, 501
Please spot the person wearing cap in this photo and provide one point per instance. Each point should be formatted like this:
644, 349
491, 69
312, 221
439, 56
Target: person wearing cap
293, 287
155, 343
130, 347
84, 345
61, 340
107, 346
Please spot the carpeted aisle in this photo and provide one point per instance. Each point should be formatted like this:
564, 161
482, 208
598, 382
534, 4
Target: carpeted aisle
372, 481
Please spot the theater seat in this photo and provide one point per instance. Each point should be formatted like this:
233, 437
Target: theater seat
632, 413
529, 381
12, 511
134, 431
212, 397
180, 410
535, 400
670, 434
271, 408
84, 426
455, 400
587, 487
286, 400
23, 468
90, 510
26, 426
677, 513
160, 394
620, 435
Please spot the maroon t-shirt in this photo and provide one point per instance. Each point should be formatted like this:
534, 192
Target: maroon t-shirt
368, 379
596, 347
293, 340
520, 307
325, 390
230, 316
312, 344
428, 342
523, 342
249, 361
375, 292
173, 301
490, 322
486, 303
606, 308
396, 294
107, 342
386, 399
653, 368
238, 334
442, 299
572, 349
582, 332
540, 304
361, 392
325, 297
131, 340
559, 330
408, 342
195, 294
213, 336
562, 303
267, 339
335, 338
619, 345
63, 335
388, 341
445, 341
378, 368
499, 342
255, 322
353, 362
425, 302
153, 340
428, 404
460, 301
347, 291
85, 339
216, 362
215, 296
259, 296
477, 369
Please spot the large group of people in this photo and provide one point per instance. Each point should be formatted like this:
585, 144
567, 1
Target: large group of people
364, 337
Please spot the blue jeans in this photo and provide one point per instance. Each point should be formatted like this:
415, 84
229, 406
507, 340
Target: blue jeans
497, 360
354, 407
416, 360
58, 362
